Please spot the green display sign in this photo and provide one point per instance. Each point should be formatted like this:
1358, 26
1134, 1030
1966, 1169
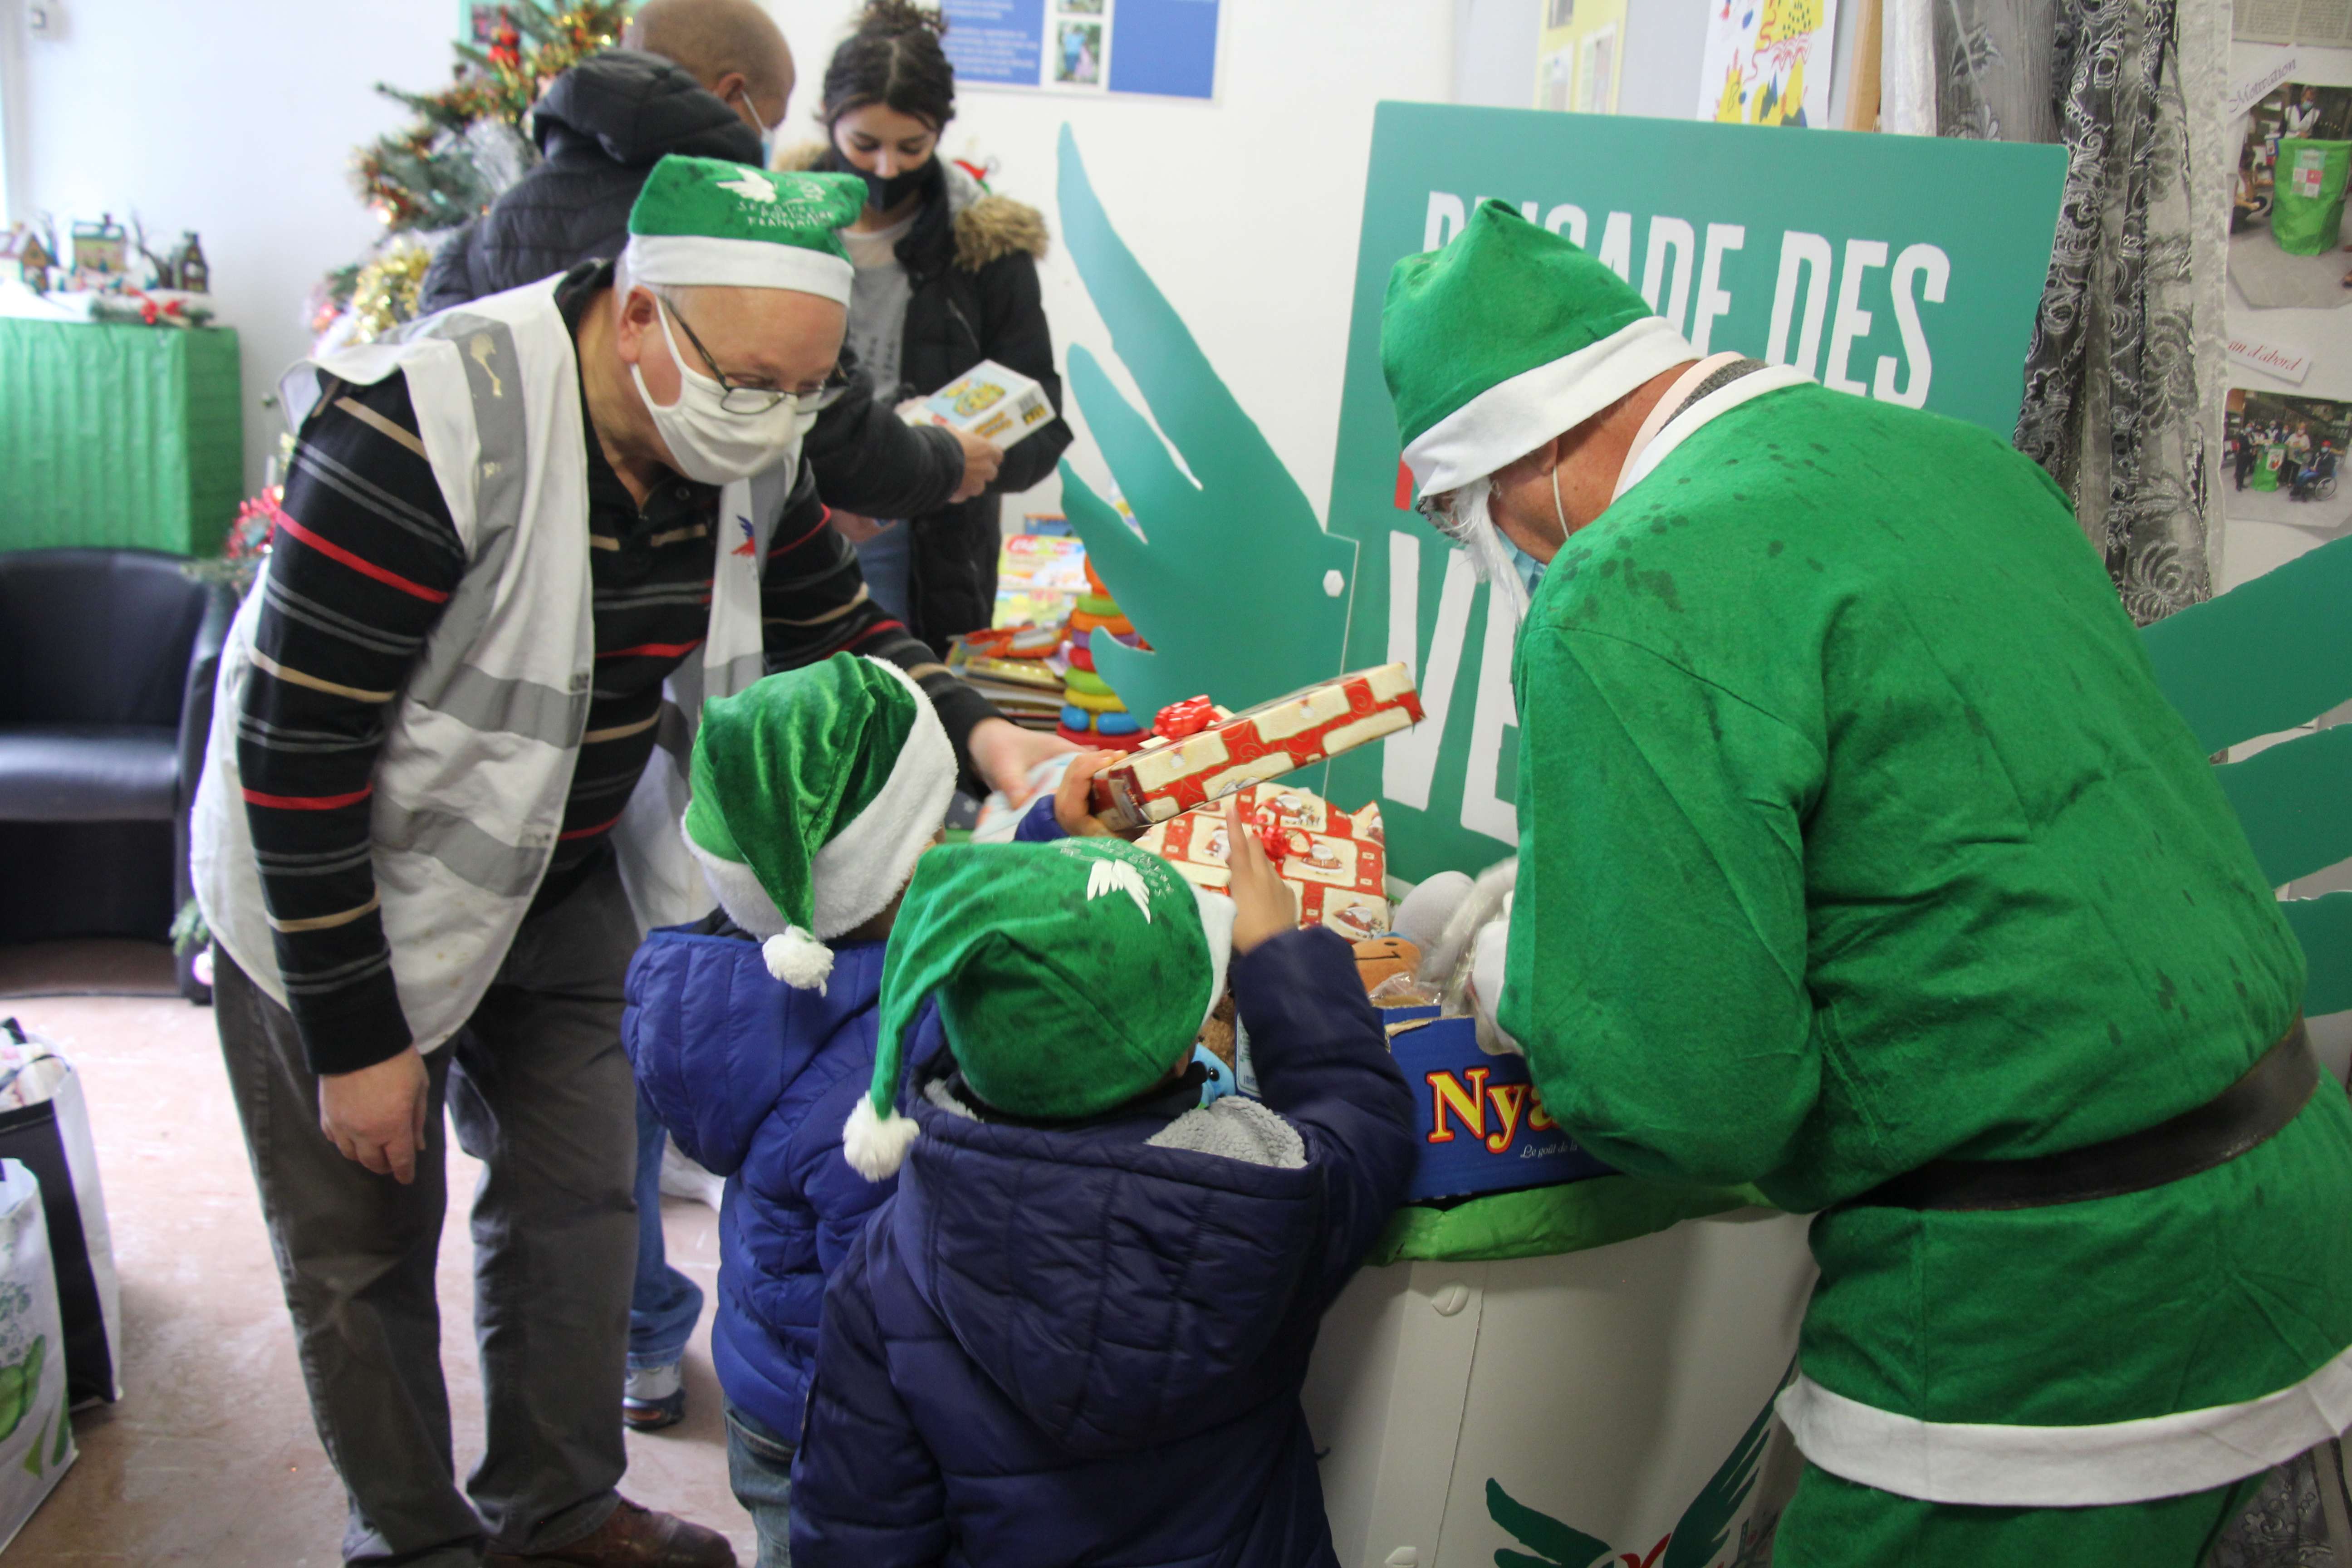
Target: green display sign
1905, 269
1902, 268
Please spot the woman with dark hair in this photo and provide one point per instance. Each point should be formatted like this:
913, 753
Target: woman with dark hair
947, 277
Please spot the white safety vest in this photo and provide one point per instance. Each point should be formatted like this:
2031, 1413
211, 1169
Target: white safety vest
469, 788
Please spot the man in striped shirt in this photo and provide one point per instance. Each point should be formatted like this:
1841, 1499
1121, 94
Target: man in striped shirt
404, 812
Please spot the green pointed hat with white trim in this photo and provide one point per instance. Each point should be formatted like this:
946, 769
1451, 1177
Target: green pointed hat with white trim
814, 790
1071, 976
1504, 339
705, 221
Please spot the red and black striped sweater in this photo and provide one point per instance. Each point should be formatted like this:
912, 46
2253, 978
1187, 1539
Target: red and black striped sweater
359, 573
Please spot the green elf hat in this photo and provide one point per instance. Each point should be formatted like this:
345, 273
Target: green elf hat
1070, 975
701, 221
1504, 338
814, 790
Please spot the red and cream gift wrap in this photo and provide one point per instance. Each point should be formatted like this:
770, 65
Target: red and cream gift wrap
1336, 864
1257, 744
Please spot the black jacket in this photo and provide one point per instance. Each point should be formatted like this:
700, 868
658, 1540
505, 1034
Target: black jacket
972, 269
601, 128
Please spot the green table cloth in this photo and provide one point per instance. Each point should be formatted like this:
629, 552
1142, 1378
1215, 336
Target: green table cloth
118, 435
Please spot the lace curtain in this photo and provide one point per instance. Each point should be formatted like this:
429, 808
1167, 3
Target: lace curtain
2124, 362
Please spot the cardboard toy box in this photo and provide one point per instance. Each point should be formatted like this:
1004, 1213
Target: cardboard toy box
1479, 1123
987, 401
1257, 744
1335, 863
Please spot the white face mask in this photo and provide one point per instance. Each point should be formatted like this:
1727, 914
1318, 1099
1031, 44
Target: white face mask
706, 442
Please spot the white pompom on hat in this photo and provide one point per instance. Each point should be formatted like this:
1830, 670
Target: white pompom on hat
814, 791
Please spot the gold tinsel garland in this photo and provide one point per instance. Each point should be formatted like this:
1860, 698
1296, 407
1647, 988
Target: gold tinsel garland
386, 294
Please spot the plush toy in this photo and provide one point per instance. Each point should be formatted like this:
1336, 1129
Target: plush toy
1217, 1034
1378, 957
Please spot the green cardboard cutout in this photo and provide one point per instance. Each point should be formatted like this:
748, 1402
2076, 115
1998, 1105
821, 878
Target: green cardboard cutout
1235, 584
2267, 655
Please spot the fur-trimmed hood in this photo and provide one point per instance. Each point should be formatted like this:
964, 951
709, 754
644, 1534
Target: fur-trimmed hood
988, 227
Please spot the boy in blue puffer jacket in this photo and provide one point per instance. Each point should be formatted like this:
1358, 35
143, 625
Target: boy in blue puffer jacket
815, 793
1077, 1333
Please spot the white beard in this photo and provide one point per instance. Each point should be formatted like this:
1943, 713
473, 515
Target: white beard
1490, 562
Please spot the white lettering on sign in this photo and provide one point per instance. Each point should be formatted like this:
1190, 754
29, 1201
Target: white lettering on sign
1804, 263
1852, 321
2287, 365
1409, 761
1668, 233
1928, 264
1713, 301
1617, 244
1445, 220
1812, 277
1484, 810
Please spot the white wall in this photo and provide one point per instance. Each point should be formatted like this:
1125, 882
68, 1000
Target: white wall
1245, 211
240, 125
236, 121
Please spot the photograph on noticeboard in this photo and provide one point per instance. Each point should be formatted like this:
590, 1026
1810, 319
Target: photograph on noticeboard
1077, 58
2282, 460
2286, 200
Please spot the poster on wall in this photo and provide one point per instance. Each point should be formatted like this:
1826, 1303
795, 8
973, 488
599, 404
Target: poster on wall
1579, 54
1157, 48
1768, 62
1906, 268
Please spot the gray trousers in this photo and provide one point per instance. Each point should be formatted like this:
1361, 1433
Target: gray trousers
541, 1094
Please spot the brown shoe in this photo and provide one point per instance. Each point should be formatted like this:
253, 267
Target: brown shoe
632, 1537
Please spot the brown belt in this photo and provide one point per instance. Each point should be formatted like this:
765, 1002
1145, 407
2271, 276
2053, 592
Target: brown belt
2273, 1092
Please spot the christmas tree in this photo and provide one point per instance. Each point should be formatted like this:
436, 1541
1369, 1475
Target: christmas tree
466, 145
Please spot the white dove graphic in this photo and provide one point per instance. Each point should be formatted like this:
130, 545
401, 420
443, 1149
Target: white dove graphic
1105, 877
752, 185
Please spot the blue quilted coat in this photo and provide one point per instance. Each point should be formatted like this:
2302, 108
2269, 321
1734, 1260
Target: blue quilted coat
754, 1081
1058, 1346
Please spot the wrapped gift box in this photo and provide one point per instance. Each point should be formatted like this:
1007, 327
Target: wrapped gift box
1336, 864
1257, 744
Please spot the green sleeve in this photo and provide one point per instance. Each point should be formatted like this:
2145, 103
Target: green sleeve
1656, 969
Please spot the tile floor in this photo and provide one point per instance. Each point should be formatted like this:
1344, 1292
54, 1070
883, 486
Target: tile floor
210, 1458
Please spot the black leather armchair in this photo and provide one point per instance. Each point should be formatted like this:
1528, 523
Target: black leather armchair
107, 661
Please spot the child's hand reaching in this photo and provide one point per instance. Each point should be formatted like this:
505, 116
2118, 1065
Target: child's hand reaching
1263, 906
1073, 800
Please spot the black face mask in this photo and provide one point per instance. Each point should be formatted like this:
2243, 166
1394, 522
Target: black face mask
880, 193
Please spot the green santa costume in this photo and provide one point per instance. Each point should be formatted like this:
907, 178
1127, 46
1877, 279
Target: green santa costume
1855, 836
814, 791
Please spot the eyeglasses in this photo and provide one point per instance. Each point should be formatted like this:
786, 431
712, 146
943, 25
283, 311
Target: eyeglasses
737, 398
1438, 512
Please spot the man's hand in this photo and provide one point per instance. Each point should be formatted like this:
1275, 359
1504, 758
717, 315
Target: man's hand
1002, 752
376, 1115
1073, 799
854, 527
981, 461
1263, 906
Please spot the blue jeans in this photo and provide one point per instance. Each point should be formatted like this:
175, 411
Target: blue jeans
887, 561
760, 1471
666, 1304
